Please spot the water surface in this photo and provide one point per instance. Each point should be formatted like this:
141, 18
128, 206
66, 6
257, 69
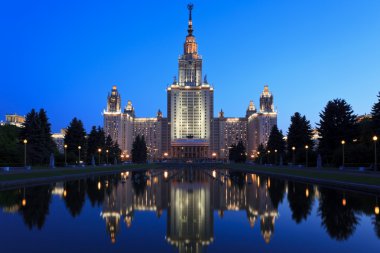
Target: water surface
187, 211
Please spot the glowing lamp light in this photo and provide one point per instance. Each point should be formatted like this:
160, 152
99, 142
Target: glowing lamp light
65, 146
99, 150
375, 138
79, 147
377, 210
214, 173
293, 148
343, 142
23, 202
64, 193
99, 185
306, 147
166, 174
25, 141
307, 192
344, 202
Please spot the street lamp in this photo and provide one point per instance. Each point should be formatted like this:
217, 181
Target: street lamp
275, 156
25, 142
374, 138
294, 155
268, 156
107, 155
79, 148
307, 155
65, 150
343, 142
99, 151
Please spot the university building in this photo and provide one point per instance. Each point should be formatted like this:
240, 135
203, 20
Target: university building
190, 130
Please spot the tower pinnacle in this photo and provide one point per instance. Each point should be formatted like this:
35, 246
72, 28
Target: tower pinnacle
190, 7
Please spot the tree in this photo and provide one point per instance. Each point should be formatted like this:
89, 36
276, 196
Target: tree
376, 116
11, 149
237, 153
75, 137
139, 150
299, 135
38, 133
114, 151
337, 123
276, 143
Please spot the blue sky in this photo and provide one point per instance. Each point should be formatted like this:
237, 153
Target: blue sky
65, 55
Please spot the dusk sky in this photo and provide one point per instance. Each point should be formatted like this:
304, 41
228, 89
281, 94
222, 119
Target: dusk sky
65, 55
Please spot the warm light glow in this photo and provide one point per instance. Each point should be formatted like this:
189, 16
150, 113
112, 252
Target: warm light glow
306, 147
166, 174
127, 156
25, 141
343, 142
213, 154
214, 173
374, 138
64, 193
65, 146
99, 150
99, 185
275, 150
258, 153
268, 151
293, 148
79, 147
166, 154
107, 150
344, 202
377, 210
23, 203
268, 182
307, 192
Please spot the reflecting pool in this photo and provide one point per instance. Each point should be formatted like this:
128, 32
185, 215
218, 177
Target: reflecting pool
187, 210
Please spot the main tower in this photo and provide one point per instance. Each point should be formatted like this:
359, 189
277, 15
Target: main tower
190, 104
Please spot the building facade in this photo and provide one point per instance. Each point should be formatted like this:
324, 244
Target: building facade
190, 130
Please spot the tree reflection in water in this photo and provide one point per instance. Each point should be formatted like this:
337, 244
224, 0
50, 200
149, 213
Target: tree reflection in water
36, 207
301, 199
337, 214
75, 196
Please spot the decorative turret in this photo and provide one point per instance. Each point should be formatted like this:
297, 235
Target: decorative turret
251, 109
221, 114
113, 100
129, 109
266, 101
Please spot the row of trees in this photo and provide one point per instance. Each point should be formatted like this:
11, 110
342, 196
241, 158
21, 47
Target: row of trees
95, 146
337, 123
40, 144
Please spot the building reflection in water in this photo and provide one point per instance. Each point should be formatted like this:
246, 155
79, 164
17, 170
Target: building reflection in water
190, 198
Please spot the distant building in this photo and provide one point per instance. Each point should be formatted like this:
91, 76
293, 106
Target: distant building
59, 139
14, 119
190, 130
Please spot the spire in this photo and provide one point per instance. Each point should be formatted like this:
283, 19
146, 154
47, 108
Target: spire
190, 23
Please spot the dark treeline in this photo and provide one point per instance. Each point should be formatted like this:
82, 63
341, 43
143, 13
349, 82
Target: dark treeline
36, 132
337, 123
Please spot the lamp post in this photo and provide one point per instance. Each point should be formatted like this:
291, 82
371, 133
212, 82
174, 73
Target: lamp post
375, 143
79, 148
275, 156
107, 155
99, 151
307, 155
294, 155
261, 161
65, 150
268, 156
343, 142
25, 142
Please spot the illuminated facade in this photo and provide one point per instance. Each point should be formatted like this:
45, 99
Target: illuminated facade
190, 130
13, 119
